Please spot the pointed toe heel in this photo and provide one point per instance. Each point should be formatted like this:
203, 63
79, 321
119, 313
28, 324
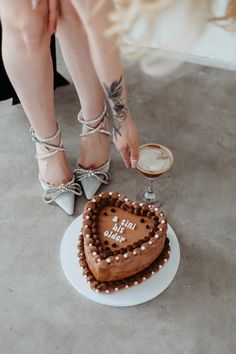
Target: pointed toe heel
64, 194
92, 179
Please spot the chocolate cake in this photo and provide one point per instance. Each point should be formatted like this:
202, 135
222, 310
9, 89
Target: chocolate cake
122, 242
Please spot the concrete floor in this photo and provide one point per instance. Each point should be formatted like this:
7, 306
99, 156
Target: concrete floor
193, 112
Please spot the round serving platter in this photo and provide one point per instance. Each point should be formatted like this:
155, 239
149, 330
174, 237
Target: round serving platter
135, 295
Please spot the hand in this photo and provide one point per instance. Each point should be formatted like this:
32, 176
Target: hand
52, 13
128, 143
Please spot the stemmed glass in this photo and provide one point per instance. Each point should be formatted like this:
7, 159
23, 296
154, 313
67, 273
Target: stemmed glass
154, 160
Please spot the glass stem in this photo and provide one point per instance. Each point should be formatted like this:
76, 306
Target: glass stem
150, 194
150, 185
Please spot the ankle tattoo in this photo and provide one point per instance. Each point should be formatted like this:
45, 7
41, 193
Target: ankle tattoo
119, 108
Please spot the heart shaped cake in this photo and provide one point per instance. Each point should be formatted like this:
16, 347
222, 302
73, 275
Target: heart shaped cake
122, 242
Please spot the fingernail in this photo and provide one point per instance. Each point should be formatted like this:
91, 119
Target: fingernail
134, 163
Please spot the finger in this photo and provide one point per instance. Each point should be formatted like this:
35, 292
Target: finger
134, 155
52, 16
35, 4
125, 156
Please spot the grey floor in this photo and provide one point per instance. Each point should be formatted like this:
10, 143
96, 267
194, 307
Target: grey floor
193, 112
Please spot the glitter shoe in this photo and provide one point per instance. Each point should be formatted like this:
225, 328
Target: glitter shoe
91, 179
64, 194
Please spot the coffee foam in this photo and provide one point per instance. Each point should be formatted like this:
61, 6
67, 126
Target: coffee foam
151, 159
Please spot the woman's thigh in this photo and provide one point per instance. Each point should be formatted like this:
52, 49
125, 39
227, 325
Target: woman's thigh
84, 8
67, 10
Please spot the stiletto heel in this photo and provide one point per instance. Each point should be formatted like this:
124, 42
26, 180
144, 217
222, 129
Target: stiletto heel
64, 194
91, 179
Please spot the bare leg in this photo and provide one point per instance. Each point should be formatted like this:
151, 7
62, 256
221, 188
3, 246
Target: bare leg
107, 64
74, 44
27, 59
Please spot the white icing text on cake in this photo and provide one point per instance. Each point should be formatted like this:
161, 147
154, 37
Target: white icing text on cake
119, 229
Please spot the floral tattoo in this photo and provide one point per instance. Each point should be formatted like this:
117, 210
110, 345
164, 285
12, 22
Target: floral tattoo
114, 93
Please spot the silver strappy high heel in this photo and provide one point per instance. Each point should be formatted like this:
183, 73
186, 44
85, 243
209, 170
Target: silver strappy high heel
91, 179
63, 194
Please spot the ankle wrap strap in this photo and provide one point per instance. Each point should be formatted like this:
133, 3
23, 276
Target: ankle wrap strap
99, 128
45, 142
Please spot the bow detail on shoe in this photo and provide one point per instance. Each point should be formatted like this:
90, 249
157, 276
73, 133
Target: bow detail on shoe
54, 192
101, 176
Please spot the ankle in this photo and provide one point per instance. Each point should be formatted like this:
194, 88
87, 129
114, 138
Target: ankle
56, 142
53, 165
55, 170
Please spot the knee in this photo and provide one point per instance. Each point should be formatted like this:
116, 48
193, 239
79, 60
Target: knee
33, 35
27, 29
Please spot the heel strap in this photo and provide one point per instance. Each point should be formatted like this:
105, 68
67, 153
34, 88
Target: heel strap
99, 128
45, 142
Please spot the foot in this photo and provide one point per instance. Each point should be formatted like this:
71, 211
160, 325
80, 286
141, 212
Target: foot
54, 170
95, 149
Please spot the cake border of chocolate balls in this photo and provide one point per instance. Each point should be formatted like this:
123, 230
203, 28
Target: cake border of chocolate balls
89, 229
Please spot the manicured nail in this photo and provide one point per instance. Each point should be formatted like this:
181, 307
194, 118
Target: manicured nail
134, 163
127, 164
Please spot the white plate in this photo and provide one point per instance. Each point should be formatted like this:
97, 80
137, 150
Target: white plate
135, 295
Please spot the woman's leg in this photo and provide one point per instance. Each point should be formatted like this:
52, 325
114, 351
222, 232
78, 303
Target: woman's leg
27, 59
106, 59
74, 44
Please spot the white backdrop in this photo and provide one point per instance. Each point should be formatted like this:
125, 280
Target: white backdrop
215, 47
